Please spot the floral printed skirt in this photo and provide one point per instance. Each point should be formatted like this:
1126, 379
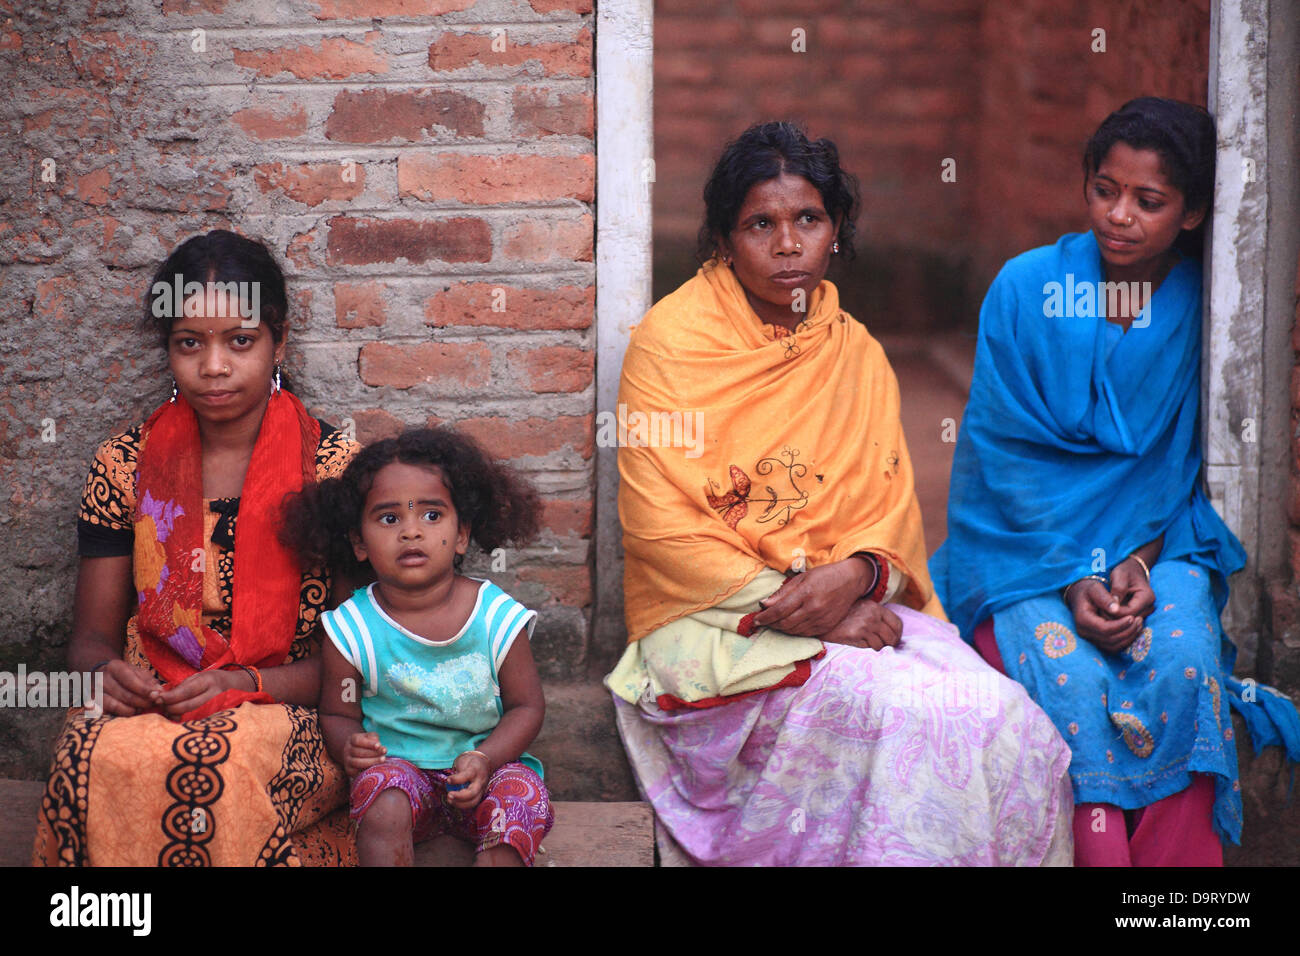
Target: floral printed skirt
1141, 722
915, 755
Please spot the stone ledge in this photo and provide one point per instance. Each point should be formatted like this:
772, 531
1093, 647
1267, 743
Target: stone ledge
585, 834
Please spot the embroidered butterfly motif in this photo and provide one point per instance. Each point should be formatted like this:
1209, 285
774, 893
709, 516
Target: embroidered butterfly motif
733, 505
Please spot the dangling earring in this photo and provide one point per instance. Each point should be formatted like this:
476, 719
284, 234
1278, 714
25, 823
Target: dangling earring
275, 382
835, 248
173, 398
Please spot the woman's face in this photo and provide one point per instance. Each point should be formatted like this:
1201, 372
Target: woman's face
1136, 213
222, 368
781, 244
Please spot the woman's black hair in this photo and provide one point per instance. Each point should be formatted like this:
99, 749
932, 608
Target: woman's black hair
499, 506
1181, 134
219, 256
763, 152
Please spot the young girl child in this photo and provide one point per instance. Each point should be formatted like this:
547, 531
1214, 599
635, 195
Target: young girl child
429, 693
1083, 558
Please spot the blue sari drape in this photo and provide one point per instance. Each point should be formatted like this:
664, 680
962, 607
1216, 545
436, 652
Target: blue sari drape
1070, 458
1075, 450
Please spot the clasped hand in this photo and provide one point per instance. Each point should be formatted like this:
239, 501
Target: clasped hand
1112, 619
131, 690
827, 602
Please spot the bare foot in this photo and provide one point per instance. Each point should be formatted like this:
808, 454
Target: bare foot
503, 854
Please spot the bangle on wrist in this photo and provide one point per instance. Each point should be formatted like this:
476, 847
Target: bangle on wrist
101, 665
252, 672
874, 562
1145, 569
1065, 595
478, 753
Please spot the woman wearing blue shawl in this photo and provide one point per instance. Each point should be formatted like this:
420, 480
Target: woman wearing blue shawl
1083, 557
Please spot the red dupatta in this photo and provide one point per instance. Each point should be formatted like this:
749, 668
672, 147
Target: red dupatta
170, 550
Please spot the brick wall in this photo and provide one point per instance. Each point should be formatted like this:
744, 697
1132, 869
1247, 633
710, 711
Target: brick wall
1009, 89
424, 171
890, 83
1043, 93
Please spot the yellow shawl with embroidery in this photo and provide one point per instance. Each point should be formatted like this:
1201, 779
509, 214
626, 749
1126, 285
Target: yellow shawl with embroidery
742, 449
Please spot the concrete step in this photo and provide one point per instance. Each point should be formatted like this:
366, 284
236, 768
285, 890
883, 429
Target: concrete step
585, 834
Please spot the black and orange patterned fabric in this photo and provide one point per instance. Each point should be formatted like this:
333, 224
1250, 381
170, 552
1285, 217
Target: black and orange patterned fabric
248, 786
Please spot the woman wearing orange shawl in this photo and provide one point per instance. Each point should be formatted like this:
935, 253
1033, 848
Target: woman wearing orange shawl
202, 624
791, 692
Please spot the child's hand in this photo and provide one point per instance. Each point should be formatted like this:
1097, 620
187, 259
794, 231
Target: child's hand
471, 772
362, 751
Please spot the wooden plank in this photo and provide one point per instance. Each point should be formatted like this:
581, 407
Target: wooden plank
585, 834
19, 802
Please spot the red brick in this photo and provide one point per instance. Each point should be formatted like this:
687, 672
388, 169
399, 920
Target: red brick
496, 179
570, 307
553, 368
355, 241
456, 51
335, 59
56, 299
368, 9
378, 116
569, 584
310, 184
544, 112
111, 58
541, 240
438, 364
695, 32
372, 424
300, 249
92, 188
358, 304
566, 516
265, 124
535, 437
693, 68
550, 6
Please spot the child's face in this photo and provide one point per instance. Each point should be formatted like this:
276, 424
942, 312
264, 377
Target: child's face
409, 530
1136, 214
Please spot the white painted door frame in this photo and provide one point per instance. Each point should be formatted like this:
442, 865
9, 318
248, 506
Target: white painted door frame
624, 184
1249, 284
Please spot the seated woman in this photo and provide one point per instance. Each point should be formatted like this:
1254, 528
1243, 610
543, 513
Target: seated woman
1083, 558
822, 717
202, 623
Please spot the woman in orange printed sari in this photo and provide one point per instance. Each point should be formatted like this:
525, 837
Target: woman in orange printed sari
791, 692
202, 623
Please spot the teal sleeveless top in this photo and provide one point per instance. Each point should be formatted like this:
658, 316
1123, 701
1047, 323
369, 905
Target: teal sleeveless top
430, 701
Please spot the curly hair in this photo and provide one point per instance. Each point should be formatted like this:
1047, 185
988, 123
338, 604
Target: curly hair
763, 152
498, 505
1181, 134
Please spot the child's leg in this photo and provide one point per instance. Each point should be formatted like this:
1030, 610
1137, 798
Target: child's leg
392, 803
515, 814
1178, 830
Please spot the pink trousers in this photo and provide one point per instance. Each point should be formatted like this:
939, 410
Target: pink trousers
1175, 831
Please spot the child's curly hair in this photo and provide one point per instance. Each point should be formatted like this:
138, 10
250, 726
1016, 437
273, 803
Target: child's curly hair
499, 506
